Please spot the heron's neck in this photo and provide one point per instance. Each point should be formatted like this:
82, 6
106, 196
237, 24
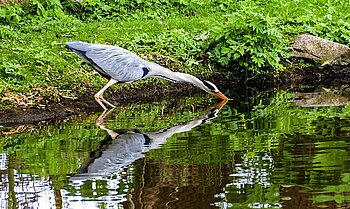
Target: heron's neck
165, 73
180, 77
184, 77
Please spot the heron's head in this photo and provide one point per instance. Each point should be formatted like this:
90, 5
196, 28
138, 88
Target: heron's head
212, 89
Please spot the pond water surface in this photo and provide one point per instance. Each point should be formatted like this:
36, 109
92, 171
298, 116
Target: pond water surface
260, 150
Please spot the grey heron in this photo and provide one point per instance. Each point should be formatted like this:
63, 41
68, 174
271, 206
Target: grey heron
119, 65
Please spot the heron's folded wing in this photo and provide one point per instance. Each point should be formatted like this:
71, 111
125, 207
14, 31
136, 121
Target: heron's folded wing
119, 63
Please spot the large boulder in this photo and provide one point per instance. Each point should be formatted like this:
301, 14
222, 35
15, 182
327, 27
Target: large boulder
322, 51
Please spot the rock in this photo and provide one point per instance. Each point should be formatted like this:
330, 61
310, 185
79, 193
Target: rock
322, 51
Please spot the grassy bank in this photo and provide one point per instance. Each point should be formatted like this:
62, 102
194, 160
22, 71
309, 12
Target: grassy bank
243, 38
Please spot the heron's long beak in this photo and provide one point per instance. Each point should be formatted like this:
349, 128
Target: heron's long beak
221, 95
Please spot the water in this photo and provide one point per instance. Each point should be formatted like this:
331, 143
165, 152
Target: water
260, 150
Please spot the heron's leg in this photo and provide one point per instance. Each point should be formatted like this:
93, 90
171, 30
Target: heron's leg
100, 103
99, 96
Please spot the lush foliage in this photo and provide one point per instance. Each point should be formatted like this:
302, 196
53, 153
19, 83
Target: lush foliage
250, 39
103, 9
98, 9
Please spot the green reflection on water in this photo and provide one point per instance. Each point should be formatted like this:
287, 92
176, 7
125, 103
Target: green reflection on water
262, 152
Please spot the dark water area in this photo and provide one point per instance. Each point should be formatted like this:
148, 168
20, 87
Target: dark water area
272, 149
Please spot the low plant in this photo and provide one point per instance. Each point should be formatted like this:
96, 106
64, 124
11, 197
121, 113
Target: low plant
177, 43
248, 39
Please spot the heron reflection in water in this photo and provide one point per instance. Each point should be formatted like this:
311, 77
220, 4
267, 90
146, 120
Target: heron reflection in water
122, 147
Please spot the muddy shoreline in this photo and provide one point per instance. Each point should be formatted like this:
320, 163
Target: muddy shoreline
150, 93
86, 103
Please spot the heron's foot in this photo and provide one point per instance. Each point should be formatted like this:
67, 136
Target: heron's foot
100, 100
107, 102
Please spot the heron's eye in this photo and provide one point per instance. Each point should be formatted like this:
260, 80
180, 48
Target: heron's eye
210, 86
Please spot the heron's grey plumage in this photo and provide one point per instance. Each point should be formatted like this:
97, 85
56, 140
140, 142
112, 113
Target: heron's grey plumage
123, 66
115, 62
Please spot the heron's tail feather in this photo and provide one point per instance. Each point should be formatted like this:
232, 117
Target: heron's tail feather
78, 46
81, 48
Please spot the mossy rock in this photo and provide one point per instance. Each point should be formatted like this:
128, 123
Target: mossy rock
321, 51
